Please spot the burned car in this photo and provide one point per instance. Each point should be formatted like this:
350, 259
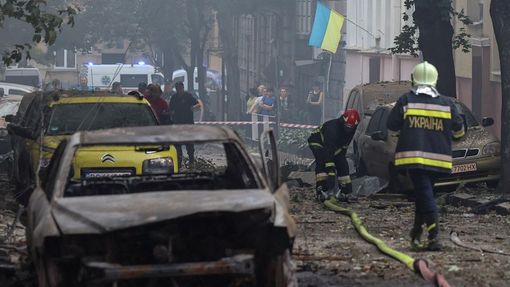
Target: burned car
219, 221
476, 157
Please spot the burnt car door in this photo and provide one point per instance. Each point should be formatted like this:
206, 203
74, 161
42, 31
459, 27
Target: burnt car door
271, 171
39, 206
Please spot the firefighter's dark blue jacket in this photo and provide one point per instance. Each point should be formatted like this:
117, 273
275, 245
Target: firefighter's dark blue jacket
331, 136
427, 125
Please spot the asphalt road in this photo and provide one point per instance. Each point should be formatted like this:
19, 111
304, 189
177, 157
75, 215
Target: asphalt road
329, 252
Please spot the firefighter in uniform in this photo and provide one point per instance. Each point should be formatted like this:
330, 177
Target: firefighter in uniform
427, 122
329, 145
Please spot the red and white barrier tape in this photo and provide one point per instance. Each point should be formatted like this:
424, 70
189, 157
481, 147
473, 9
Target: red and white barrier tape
297, 126
284, 125
233, 123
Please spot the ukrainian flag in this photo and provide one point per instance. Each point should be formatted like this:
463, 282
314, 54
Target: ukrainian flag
327, 27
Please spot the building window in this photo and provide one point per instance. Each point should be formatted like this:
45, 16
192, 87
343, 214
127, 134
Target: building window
65, 59
304, 16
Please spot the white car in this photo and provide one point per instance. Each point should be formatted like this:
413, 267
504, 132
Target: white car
10, 89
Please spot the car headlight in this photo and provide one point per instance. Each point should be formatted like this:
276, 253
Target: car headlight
163, 165
491, 149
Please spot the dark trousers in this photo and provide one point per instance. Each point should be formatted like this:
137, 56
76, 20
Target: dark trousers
190, 150
326, 175
424, 190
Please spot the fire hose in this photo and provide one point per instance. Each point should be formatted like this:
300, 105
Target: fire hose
420, 266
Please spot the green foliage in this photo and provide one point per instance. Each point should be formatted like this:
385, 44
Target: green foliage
45, 21
407, 41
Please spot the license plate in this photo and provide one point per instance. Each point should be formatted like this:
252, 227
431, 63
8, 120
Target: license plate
90, 174
461, 168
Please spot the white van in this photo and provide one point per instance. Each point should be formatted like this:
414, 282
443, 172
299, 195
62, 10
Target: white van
10, 89
23, 76
213, 80
103, 76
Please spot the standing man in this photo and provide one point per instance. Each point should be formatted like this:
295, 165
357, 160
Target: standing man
329, 145
182, 106
427, 121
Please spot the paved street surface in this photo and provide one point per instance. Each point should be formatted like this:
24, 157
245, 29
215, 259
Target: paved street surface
329, 252
339, 257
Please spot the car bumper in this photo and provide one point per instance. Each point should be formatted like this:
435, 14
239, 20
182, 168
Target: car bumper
100, 272
488, 169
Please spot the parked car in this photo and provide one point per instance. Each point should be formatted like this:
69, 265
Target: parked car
11, 89
476, 157
222, 222
8, 107
52, 117
365, 99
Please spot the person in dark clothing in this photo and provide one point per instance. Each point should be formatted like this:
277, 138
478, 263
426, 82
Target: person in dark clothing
329, 145
182, 106
427, 122
314, 102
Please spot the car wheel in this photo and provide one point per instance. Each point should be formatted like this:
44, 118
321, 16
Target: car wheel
280, 272
492, 183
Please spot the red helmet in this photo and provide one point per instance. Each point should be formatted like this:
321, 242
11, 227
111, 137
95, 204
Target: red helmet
351, 118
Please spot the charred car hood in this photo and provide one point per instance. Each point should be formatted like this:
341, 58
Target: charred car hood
101, 214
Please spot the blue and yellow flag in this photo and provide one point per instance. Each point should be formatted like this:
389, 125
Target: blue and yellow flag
327, 28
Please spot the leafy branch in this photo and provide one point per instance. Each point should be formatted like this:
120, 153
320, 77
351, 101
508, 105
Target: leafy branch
46, 24
407, 41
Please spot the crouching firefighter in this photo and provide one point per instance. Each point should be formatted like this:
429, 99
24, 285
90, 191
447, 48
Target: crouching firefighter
427, 122
329, 145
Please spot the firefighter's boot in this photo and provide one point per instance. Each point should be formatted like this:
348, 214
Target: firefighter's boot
417, 231
432, 221
321, 187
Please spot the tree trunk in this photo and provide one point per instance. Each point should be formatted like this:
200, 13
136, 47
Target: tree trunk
435, 42
225, 21
194, 42
500, 13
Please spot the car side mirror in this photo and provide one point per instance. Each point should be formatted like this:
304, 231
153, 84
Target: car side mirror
487, 122
378, 136
10, 118
21, 131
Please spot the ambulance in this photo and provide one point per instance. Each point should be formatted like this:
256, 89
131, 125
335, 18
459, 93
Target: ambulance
101, 77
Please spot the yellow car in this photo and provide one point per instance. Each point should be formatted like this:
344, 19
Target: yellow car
52, 118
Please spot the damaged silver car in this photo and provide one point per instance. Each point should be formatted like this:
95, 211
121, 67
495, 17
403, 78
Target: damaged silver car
219, 221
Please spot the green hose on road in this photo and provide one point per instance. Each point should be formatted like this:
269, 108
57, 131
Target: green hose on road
419, 266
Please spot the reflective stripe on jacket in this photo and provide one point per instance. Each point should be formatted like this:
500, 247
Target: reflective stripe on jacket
331, 136
427, 125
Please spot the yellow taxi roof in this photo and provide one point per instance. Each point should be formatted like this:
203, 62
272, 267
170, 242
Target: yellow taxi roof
98, 98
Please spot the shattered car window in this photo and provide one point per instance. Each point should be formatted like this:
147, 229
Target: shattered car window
470, 118
109, 170
68, 118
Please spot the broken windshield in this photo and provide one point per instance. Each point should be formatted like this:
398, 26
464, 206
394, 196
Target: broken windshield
68, 118
107, 170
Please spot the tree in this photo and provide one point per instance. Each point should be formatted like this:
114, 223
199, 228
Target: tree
500, 13
45, 21
432, 19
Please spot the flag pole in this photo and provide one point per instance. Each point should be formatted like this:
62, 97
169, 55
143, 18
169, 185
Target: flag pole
328, 78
